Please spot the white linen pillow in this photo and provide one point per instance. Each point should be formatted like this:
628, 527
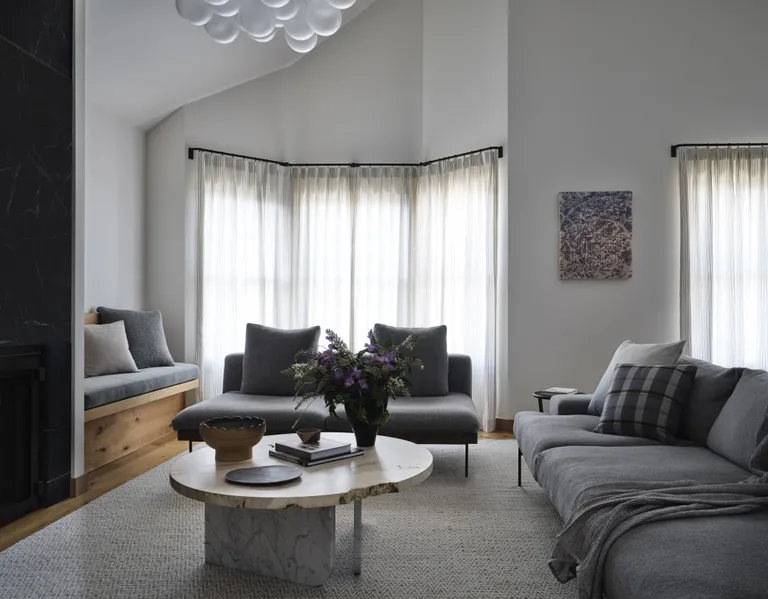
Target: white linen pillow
106, 350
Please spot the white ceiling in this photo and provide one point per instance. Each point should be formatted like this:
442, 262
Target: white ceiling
143, 61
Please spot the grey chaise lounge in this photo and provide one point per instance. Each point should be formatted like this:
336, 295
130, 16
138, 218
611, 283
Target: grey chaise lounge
695, 558
442, 420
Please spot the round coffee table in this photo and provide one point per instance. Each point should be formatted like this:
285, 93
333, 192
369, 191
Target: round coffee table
289, 532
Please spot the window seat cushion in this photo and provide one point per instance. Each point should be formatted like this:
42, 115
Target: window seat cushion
107, 389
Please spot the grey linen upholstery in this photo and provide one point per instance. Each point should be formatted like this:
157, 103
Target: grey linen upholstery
279, 412
431, 349
734, 433
268, 352
710, 558
571, 404
107, 350
422, 418
712, 387
537, 433
103, 390
449, 419
146, 336
566, 472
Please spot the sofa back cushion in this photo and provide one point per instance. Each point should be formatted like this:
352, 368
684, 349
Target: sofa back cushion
431, 349
268, 352
640, 354
734, 433
711, 389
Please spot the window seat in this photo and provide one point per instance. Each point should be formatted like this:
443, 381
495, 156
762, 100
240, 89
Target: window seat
110, 388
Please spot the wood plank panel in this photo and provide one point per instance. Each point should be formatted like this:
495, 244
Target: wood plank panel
92, 318
132, 402
116, 435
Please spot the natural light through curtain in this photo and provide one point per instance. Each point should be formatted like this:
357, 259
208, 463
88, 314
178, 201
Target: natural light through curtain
724, 274
346, 247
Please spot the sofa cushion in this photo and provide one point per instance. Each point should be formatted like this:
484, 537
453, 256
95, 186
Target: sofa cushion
103, 390
712, 387
566, 472
268, 352
734, 433
692, 558
422, 418
538, 432
647, 401
106, 349
146, 336
278, 411
642, 354
431, 349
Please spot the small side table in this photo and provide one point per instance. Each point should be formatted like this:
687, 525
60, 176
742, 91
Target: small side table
541, 396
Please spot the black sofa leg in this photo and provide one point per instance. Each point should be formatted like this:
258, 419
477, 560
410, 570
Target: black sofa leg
466, 460
519, 467
190, 447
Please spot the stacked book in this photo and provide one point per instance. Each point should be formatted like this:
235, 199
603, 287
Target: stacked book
314, 454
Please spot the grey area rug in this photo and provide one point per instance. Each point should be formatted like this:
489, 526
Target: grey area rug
448, 537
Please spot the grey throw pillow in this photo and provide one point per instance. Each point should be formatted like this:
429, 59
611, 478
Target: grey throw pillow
641, 354
647, 401
146, 337
734, 433
711, 389
432, 350
268, 352
106, 350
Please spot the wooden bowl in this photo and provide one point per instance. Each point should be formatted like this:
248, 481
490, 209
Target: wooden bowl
233, 437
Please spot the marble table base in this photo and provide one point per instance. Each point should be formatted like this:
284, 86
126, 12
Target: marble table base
293, 544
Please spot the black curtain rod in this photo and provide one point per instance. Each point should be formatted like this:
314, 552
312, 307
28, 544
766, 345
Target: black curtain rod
499, 149
725, 145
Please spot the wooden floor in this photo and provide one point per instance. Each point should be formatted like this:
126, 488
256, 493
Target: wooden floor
110, 477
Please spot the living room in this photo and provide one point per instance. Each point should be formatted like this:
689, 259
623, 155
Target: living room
523, 186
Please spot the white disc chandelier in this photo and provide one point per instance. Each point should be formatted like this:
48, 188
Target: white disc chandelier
302, 20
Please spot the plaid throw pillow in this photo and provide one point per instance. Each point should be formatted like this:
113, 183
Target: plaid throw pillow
647, 401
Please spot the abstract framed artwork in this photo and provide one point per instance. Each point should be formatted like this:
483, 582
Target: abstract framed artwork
596, 235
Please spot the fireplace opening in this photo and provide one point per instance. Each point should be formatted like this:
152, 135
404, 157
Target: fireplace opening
21, 377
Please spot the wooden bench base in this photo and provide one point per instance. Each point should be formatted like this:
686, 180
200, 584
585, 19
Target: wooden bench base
117, 429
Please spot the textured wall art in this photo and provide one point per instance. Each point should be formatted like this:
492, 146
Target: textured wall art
596, 235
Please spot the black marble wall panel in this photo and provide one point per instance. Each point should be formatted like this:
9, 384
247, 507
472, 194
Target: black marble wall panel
43, 28
36, 96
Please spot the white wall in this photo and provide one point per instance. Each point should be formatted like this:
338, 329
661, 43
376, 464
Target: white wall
356, 97
114, 212
166, 228
598, 91
464, 76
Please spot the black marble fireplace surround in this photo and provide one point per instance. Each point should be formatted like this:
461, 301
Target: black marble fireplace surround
36, 225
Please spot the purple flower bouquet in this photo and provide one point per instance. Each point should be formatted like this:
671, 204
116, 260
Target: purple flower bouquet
363, 382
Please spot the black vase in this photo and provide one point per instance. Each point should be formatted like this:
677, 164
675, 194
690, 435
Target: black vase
365, 433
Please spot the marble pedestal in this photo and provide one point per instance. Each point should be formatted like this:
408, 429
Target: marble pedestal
293, 544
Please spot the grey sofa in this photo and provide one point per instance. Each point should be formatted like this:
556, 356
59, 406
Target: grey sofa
441, 420
695, 558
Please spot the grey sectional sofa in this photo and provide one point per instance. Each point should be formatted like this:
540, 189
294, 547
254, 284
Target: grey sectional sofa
696, 558
440, 420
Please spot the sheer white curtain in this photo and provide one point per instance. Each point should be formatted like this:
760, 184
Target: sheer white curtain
724, 273
345, 247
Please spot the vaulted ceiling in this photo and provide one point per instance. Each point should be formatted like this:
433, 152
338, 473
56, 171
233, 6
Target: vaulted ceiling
143, 61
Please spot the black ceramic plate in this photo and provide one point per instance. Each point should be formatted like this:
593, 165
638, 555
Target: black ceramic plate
263, 476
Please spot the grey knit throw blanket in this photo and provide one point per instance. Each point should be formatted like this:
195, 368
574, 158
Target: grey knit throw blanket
609, 511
